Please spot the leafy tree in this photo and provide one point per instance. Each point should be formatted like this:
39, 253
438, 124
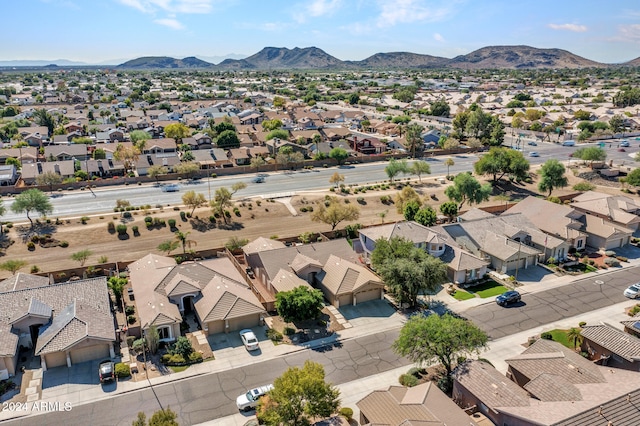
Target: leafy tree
279, 134
183, 239
187, 168
177, 131
99, 154
257, 162
466, 188
164, 417
235, 243
116, 285
299, 395
139, 138
353, 99
410, 209
222, 199
336, 179
300, 304
449, 209
552, 176
335, 213
582, 115
633, 178
279, 102
228, 139
44, 118
269, 125
339, 154
193, 200
440, 108
157, 170
396, 167
425, 340
413, 139
221, 126
573, 334
168, 246
48, 179
426, 216
617, 123
406, 269
127, 154
501, 161
449, 162
183, 347
286, 156
404, 197
420, 168
590, 154
13, 161
81, 256
13, 265
32, 200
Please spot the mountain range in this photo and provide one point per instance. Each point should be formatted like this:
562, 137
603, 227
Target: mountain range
271, 58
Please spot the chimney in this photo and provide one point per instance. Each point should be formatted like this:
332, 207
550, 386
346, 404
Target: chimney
600, 411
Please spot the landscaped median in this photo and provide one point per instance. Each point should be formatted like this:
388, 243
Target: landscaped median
484, 290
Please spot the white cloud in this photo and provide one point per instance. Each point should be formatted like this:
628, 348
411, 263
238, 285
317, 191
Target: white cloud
394, 12
315, 9
170, 6
438, 37
568, 27
629, 33
169, 22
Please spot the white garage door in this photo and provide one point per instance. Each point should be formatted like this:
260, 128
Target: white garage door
89, 353
56, 359
215, 327
365, 296
244, 322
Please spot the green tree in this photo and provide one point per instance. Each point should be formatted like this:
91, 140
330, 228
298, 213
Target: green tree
413, 139
182, 347
339, 154
187, 168
617, 123
440, 108
590, 154
279, 134
13, 161
228, 139
404, 197
287, 157
99, 154
81, 256
420, 168
279, 102
449, 162
235, 243
139, 138
406, 269
13, 265
425, 340
116, 285
193, 200
44, 118
222, 198
269, 125
336, 179
449, 209
168, 246
48, 179
410, 209
300, 304
501, 161
127, 154
156, 170
183, 239
299, 395
164, 417
466, 188
32, 200
257, 162
552, 176
426, 216
573, 334
633, 178
221, 126
335, 213
177, 131
396, 167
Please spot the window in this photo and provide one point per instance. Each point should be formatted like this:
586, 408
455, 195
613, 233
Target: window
579, 244
164, 333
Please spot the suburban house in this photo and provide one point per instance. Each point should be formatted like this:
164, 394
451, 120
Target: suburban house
367, 145
347, 283
424, 404
64, 324
77, 151
621, 210
611, 347
577, 228
549, 384
212, 291
8, 174
30, 171
24, 154
462, 266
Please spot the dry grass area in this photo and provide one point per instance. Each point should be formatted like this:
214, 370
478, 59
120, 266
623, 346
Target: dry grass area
269, 219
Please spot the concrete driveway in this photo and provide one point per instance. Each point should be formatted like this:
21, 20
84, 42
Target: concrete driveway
535, 274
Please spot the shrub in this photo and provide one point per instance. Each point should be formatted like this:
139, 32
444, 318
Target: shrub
35, 269
135, 230
148, 219
634, 310
212, 219
122, 229
130, 340
582, 324
166, 359
408, 380
274, 335
195, 357
126, 215
554, 199
111, 227
183, 216
547, 336
131, 319
414, 371
346, 412
445, 384
177, 359
288, 331
610, 253
31, 246
84, 220
64, 244
227, 214
122, 370
360, 200
611, 261
172, 223
130, 310
584, 186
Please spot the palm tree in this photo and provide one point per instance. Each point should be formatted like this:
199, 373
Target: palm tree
449, 162
574, 335
182, 238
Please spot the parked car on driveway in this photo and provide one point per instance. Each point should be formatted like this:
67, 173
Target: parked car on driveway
633, 291
107, 371
508, 297
248, 401
249, 340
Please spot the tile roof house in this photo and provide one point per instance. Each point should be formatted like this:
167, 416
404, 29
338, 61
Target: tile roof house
618, 209
347, 283
213, 289
30, 171
64, 324
609, 346
424, 404
462, 266
549, 384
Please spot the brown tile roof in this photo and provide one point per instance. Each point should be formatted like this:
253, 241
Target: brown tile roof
554, 219
21, 281
223, 299
262, 244
340, 276
617, 341
549, 387
287, 281
301, 262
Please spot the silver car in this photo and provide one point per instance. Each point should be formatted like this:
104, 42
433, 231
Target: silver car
248, 401
633, 291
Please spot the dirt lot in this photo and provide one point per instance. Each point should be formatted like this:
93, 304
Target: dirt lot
267, 219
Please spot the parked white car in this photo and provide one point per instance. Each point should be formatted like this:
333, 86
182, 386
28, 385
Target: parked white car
248, 401
633, 291
249, 340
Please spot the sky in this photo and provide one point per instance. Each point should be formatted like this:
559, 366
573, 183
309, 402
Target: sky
112, 31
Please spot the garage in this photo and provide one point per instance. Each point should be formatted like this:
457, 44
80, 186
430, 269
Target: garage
215, 327
365, 296
344, 300
248, 321
55, 359
89, 353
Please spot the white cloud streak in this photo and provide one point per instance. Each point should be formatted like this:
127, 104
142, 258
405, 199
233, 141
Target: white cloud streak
568, 27
629, 33
169, 22
438, 37
394, 12
170, 6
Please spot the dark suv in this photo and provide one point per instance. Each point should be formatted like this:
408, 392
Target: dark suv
107, 371
507, 297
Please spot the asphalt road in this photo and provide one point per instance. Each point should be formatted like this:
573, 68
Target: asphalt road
207, 397
545, 307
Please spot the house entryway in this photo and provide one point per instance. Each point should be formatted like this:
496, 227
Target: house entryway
189, 316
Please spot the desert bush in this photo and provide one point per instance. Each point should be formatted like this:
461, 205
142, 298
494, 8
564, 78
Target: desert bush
64, 244
126, 215
582, 324
31, 246
584, 186
121, 229
122, 370
288, 331
130, 310
35, 269
546, 335
172, 223
611, 261
111, 227
346, 412
274, 335
131, 319
195, 357
408, 380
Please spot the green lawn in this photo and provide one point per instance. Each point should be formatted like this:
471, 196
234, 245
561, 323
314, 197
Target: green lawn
560, 336
178, 368
462, 295
488, 289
